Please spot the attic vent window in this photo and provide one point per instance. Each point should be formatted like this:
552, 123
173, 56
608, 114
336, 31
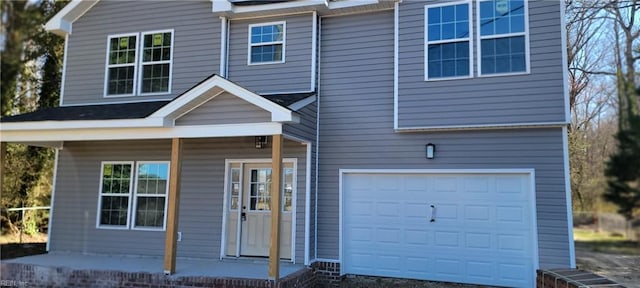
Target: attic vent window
266, 43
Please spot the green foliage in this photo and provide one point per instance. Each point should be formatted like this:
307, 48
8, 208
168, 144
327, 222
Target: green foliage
623, 169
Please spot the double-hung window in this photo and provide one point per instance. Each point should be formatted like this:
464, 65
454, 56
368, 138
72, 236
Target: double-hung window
139, 63
503, 36
156, 62
121, 200
121, 65
267, 43
448, 46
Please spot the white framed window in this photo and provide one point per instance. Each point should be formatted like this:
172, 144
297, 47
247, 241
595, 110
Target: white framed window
260, 189
503, 33
448, 41
121, 65
151, 190
114, 201
266, 43
145, 202
156, 62
288, 189
235, 189
139, 63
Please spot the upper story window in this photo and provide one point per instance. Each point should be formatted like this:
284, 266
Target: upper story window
121, 65
503, 36
448, 51
139, 63
501, 31
267, 43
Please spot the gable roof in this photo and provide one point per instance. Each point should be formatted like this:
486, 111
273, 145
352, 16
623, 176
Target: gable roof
139, 110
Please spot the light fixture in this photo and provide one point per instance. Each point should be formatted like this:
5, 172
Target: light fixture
431, 150
261, 142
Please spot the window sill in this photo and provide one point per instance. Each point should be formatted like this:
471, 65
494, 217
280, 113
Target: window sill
447, 78
105, 227
504, 74
148, 229
265, 63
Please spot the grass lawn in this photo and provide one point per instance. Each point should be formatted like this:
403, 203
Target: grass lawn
605, 242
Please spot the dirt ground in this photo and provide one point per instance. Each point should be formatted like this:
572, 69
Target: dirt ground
624, 269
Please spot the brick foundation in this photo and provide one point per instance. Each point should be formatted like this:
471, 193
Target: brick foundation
25, 275
571, 278
327, 274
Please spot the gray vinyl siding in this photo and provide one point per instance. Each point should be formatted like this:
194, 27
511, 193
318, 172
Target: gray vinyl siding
225, 109
201, 199
294, 75
531, 98
356, 132
196, 45
306, 129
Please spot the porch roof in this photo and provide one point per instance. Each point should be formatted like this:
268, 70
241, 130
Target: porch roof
151, 120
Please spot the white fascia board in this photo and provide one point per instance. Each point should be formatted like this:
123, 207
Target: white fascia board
228, 7
348, 4
91, 134
90, 124
302, 103
278, 113
61, 23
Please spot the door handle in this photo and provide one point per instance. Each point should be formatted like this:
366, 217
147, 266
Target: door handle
243, 216
433, 214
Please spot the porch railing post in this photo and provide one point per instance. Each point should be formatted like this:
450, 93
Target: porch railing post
276, 188
173, 209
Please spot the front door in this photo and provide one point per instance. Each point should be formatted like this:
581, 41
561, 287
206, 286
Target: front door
253, 198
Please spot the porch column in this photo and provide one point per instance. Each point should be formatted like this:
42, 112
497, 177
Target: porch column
171, 237
276, 188
3, 160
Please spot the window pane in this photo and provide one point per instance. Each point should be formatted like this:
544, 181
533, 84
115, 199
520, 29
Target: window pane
448, 60
287, 199
501, 17
114, 210
122, 50
155, 78
150, 212
503, 55
152, 178
260, 189
448, 14
434, 32
266, 53
433, 15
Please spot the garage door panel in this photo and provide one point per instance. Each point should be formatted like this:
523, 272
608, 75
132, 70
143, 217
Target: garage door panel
481, 233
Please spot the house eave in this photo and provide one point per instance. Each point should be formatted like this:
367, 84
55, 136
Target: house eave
61, 23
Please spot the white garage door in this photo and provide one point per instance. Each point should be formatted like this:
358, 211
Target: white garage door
482, 230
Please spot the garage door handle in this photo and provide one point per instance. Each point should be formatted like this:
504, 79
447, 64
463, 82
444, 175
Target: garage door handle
433, 213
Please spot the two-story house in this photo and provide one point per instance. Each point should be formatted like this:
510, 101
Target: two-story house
412, 139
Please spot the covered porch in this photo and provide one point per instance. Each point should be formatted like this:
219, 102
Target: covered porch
70, 269
209, 118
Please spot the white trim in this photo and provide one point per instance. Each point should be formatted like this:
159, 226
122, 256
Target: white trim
187, 111
198, 131
64, 71
141, 63
317, 143
223, 45
141, 100
283, 42
565, 68
326, 260
228, 7
302, 103
136, 195
61, 23
192, 97
396, 35
567, 187
100, 194
482, 126
529, 171
80, 124
134, 64
228, 163
527, 53
426, 41
307, 205
53, 198
314, 48
225, 208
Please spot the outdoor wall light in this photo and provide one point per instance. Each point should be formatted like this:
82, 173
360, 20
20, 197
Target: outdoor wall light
261, 142
431, 150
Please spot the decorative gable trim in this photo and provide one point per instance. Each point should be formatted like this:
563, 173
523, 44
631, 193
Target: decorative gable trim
212, 87
61, 23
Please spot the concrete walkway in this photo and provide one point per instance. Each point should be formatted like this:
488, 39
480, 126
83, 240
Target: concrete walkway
228, 268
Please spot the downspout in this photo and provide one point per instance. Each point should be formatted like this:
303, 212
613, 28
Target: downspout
318, 67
